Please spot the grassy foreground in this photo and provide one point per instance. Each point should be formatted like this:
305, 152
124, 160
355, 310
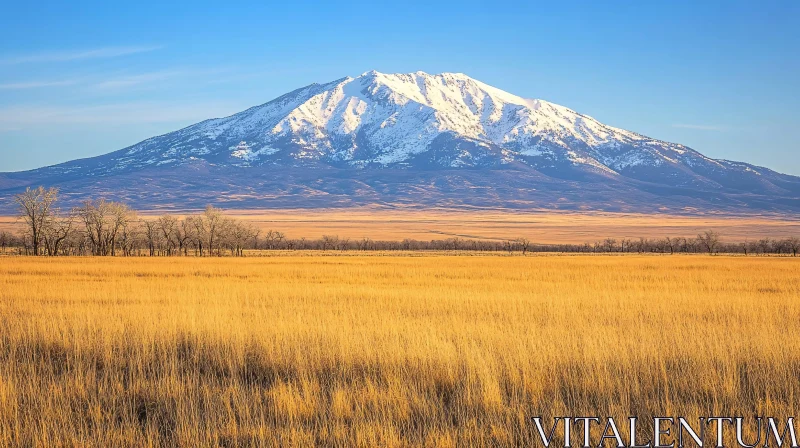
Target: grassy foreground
385, 350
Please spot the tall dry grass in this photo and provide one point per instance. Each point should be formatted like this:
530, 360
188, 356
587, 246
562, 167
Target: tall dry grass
385, 351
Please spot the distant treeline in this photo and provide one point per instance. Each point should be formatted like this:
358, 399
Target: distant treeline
106, 228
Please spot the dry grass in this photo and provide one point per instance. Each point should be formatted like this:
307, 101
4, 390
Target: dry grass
385, 351
547, 227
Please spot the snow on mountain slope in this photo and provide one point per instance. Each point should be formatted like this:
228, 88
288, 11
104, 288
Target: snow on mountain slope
384, 120
419, 121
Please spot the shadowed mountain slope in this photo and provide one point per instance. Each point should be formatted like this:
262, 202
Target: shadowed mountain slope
414, 140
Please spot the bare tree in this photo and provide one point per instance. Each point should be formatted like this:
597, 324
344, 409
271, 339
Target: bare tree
793, 244
672, 244
610, 244
329, 241
5, 240
103, 221
168, 225
184, 234
709, 240
199, 232
94, 223
745, 247
366, 243
214, 223
764, 245
524, 244
239, 233
121, 216
226, 235
254, 233
130, 237
152, 234
25, 242
35, 208
273, 238
55, 231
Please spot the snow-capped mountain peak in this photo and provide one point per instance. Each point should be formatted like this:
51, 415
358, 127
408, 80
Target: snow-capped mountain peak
379, 119
413, 121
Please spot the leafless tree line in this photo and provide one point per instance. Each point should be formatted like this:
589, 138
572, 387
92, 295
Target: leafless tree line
106, 228
709, 242
706, 242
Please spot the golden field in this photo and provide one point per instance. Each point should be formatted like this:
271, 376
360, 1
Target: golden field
544, 227
385, 350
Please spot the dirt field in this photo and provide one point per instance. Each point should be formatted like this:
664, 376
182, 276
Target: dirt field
544, 227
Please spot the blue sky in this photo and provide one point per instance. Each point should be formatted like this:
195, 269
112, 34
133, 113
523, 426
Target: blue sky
79, 79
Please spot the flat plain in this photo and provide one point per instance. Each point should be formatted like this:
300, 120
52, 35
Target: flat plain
402, 349
541, 227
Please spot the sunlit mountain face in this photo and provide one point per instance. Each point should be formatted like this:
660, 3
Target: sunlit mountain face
415, 140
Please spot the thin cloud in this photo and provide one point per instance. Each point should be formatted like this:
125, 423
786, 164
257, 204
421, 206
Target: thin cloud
96, 53
700, 127
35, 84
110, 83
133, 80
27, 117
138, 79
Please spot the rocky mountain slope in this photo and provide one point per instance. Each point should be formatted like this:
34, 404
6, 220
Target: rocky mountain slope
415, 139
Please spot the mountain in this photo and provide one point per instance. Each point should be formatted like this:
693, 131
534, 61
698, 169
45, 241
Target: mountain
415, 140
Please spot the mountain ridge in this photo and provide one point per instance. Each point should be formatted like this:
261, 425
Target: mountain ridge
448, 123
